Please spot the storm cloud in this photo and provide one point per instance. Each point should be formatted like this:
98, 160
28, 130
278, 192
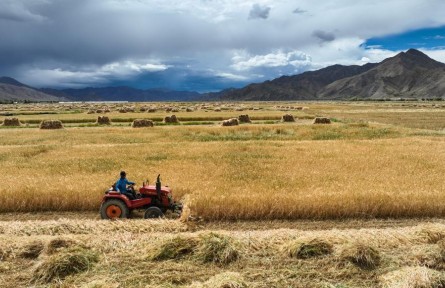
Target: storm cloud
159, 43
259, 12
324, 36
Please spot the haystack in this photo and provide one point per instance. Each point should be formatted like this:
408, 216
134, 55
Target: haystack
244, 118
217, 248
171, 119
11, 122
151, 110
309, 249
322, 120
363, 256
103, 120
137, 123
287, 118
65, 263
174, 248
230, 122
51, 124
188, 109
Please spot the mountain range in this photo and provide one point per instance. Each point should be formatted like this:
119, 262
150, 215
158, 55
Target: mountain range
410, 74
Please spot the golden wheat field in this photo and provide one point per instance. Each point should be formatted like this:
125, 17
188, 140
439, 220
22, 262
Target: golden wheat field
356, 203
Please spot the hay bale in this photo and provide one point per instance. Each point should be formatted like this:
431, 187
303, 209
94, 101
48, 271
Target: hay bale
151, 110
32, 250
188, 109
143, 109
363, 256
230, 122
413, 277
171, 119
51, 124
58, 244
137, 123
103, 120
217, 110
309, 249
65, 263
174, 248
217, 248
99, 111
91, 112
244, 118
322, 120
287, 118
223, 280
122, 110
11, 122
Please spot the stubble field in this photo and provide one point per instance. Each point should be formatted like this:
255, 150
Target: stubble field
375, 161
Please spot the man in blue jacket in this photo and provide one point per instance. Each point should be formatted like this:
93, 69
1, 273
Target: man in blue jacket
121, 186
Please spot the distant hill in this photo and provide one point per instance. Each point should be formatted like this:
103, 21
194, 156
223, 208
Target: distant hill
12, 90
410, 74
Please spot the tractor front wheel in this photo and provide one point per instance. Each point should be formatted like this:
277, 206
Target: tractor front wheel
153, 213
113, 209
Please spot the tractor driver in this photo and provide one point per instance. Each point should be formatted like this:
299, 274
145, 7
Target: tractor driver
121, 186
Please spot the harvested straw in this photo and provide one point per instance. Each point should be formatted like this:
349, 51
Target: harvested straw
413, 277
244, 118
11, 122
60, 265
171, 119
287, 118
217, 248
32, 250
223, 280
363, 256
322, 120
309, 249
230, 122
174, 248
137, 123
51, 124
103, 120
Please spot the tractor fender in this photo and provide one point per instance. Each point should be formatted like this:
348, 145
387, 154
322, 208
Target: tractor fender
119, 196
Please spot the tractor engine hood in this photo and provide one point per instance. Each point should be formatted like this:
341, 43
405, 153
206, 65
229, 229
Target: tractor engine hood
151, 189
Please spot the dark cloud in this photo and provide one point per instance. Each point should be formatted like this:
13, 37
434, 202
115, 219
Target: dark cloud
259, 12
299, 11
324, 36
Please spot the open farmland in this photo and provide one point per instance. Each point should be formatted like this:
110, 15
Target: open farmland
376, 160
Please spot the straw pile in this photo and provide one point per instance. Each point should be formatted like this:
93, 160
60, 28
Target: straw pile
322, 120
138, 123
171, 119
287, 118
230, 122
51, 124
11, 122
103, 120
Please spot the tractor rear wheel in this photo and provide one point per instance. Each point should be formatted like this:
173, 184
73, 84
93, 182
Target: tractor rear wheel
113, 209
153, 213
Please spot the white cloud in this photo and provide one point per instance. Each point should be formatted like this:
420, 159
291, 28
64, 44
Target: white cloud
296, 59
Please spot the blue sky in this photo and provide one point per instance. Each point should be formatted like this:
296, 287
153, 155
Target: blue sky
205, 45
426, 38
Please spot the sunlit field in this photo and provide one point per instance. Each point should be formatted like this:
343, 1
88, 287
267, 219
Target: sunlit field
361, 165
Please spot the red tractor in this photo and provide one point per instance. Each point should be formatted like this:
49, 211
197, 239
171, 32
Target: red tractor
154, 199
